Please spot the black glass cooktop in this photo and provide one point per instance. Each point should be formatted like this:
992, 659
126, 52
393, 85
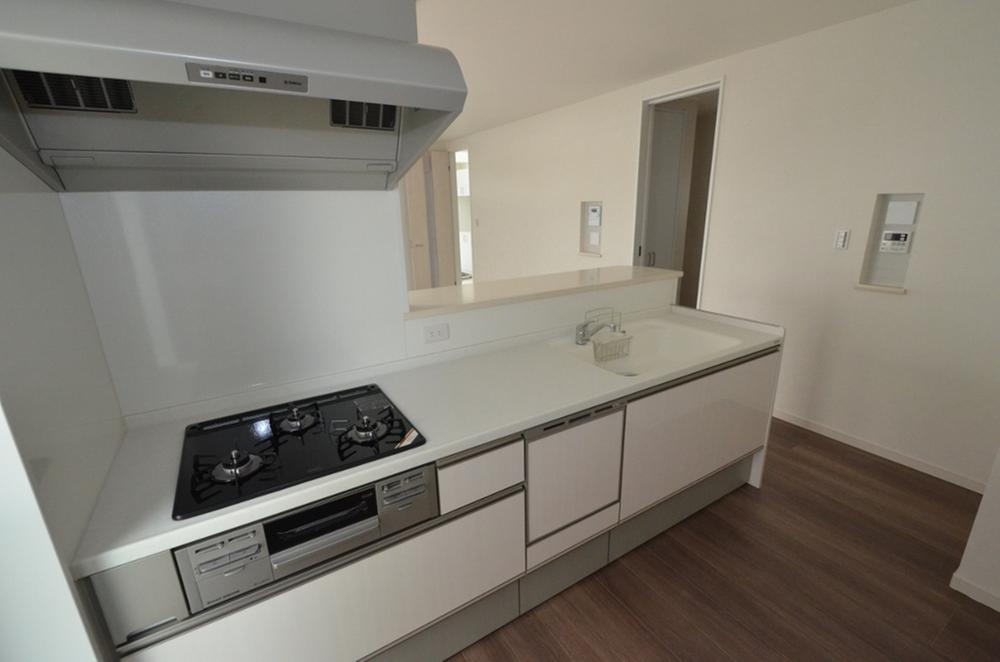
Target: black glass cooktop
228, 460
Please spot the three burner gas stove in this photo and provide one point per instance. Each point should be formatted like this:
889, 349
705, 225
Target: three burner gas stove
232, 459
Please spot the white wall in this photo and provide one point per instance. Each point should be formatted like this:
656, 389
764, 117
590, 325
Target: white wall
39, 617
812, 129
978, 576
59, 426
54, 382
201, 295
528, 179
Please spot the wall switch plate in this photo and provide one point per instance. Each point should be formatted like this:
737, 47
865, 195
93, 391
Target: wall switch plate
842, 240
436, 332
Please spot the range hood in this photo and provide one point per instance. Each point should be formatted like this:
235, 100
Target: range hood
101, 95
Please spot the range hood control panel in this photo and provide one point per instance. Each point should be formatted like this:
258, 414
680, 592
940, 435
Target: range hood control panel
222, 74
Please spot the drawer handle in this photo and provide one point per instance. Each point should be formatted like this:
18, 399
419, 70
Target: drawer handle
404, 495
210, 548
246, 536
142, 632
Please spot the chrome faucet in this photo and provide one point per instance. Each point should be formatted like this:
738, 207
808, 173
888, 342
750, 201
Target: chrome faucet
594, 323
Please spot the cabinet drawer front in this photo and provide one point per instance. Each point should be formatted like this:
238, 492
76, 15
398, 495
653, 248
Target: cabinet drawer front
358, 609
678, 436
573, 473
572, 535
477, 477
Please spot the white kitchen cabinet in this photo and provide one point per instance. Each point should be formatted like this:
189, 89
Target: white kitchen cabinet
573, 473
677, 436
357, 609
472, 478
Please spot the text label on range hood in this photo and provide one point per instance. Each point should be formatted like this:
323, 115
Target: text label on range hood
222, 74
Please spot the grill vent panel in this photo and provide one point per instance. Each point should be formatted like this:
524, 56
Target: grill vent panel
119, 94
33, 88
361, 115
91, 92
64, 92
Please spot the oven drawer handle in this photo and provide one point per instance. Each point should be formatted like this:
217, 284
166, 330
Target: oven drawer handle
324, 547
315, 524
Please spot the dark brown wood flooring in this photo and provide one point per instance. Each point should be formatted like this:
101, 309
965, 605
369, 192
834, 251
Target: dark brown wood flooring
840, 556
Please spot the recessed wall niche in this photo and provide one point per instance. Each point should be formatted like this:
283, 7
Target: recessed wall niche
890, 242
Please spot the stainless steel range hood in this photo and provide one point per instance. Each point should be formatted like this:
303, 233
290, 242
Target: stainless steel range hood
101, 95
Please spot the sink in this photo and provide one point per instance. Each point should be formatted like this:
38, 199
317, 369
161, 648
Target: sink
657, 344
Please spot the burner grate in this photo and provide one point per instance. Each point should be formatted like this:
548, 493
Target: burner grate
288, 457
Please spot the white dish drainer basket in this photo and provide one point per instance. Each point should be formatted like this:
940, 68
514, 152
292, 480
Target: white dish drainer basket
609, 344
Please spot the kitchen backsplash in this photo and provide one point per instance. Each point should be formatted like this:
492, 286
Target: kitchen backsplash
207, 296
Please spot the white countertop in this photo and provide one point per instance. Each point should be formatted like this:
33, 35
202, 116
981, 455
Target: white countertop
477, 294
457, 405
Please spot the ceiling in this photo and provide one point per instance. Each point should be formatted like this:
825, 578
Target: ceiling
522, 57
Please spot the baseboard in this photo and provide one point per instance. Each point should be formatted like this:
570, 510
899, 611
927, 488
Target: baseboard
883, 452
975, 592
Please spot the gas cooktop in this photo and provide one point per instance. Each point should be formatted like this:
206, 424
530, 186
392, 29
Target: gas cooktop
232, 459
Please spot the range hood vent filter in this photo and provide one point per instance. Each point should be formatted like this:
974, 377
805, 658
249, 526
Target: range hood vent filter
361, 115
63, 92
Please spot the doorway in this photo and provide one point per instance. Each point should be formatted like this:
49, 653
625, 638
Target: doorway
429, 223
437, 220
463, 214
676, 163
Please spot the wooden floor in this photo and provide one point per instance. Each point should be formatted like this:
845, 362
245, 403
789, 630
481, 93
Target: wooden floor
840, 556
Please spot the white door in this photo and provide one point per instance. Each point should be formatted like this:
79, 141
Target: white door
671, 153
444, 249
430, 222
417, 235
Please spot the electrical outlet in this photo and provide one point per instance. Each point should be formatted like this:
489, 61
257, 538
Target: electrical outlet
436, 332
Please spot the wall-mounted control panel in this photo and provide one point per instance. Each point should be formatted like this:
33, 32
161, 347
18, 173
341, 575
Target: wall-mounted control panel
895, 242
590, 227
890, 241
224, 74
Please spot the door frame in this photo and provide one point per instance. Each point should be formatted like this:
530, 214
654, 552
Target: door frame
472, 217
645, 163
456, 238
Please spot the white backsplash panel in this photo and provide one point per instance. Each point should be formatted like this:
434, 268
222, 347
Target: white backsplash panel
206, 294
504, 322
